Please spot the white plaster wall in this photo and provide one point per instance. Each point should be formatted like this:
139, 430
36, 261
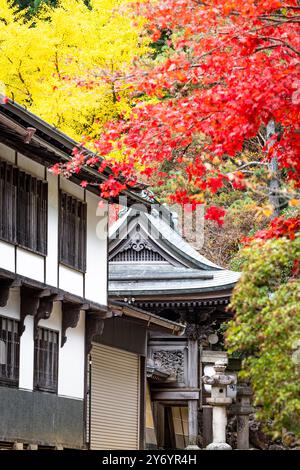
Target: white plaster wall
27, 355
52, 257
30, 264
7, 256
12, 310
71, 362
54, 322
30, 166
96, 273
6, 153
71, 280
72, 188
71, 355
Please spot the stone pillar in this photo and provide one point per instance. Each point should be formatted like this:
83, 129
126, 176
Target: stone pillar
219, 402
193, 384
193, 425
242, 409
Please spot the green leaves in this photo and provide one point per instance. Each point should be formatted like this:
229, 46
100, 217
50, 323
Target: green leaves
266, 328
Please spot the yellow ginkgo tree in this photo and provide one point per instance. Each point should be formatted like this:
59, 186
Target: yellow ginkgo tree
67, 63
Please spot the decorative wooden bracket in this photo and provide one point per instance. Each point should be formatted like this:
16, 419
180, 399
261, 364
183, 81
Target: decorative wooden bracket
70, 318
5, 285
37, 303
43, 312
29, 305
94, 327
4, 291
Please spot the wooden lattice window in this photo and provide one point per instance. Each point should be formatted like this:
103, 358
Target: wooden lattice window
9, 351
46, 360
23, 209
72, 233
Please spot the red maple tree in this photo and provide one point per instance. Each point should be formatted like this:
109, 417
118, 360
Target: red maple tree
228, 68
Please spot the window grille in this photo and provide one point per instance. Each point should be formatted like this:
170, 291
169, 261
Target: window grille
72, 240
9, 351
23, 209
46, 360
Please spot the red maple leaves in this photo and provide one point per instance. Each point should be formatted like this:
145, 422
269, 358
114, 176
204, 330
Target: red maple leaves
279, 227
215, 213
228, 68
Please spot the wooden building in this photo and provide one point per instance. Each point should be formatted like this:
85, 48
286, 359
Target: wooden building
153, 268
72, 366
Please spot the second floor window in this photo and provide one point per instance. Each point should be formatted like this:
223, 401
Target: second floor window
23, 209
72, 232
46, 360
9, 351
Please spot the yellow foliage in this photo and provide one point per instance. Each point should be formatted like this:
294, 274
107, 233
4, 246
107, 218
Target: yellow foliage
294, 202
67, 63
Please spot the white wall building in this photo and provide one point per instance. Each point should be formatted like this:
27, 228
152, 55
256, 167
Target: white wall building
53, 284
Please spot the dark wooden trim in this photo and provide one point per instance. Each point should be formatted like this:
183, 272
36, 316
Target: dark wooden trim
70, 318
72, 213
11, 338
26, 209
29, 305
53, 147
37, 360
34, 287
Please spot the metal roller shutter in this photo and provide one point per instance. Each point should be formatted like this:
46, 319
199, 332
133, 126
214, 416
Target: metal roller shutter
115, 399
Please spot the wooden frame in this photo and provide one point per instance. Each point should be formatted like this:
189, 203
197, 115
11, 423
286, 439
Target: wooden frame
25, 209
10, 337
72, 232
51, 350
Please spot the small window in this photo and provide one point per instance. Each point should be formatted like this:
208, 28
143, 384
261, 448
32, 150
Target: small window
72, 239
46, 360
23, 209
9, 351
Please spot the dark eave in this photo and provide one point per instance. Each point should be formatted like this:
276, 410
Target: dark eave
23, 281
48, 146
160, 323
136, 292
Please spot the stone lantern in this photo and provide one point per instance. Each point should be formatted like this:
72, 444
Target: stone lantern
219, 402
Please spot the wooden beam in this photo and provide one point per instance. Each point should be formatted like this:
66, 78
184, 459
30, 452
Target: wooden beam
174, 395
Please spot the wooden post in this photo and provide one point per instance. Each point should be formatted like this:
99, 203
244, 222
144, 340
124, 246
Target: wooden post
207, 425
160, 425
193, 424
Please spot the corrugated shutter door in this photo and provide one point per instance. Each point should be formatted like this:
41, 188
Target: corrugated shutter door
115, 399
